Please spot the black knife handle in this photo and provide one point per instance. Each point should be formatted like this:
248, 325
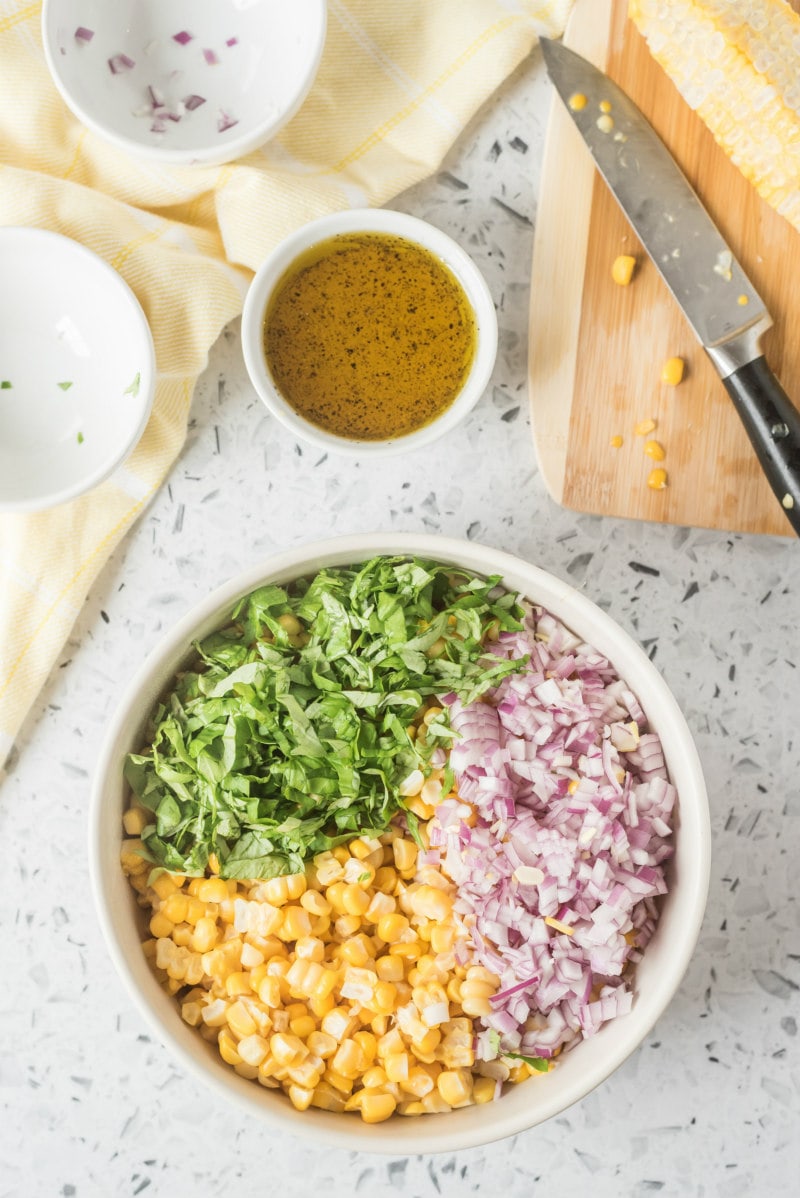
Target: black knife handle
773, 425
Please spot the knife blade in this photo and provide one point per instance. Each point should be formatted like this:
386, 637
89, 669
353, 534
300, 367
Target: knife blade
692, 257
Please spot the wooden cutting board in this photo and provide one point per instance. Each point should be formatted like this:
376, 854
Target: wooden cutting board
596, 349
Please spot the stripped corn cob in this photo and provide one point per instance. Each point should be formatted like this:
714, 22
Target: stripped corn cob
735, 63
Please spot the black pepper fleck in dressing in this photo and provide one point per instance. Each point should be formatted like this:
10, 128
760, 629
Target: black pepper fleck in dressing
369, 336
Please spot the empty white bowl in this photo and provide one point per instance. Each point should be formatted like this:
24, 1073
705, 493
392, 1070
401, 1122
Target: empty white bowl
77, 369
657, 975
369, 220
188, 81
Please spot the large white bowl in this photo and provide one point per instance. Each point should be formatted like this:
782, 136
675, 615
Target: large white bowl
397, 224
77, 369
579, 1071
246, 64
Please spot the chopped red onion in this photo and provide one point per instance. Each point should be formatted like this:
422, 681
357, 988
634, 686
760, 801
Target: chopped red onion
226, 121
118, 63
210, 57
82, 34
183, 38
192, 102
569, 788
232, 41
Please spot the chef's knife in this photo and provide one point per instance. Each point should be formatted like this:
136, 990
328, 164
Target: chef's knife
724, 309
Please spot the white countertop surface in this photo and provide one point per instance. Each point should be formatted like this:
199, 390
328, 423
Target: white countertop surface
92, 1105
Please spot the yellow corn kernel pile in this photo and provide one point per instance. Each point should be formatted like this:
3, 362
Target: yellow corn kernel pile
339, 985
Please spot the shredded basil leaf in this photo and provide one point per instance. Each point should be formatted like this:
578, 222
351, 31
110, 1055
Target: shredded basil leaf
133, 388
288, 734
539, 1063
65, 386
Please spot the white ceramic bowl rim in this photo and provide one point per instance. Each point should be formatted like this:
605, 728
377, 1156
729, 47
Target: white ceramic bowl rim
250, 138
57, 243
579, 1071
372, 220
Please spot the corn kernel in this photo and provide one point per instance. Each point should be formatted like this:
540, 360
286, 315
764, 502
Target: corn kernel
300, 1097
356, 951
205, 935
160, 926
355, 900
287, 1049
616, 442
315, 903
657, 479
385, 879
269, 991
212, 890
327, 1098
320, 1007
622, 269
135, 820
644, 427
165, 885
655, 450
240, 1020
296, 923
431, 902
253, 1049
577, 101
455, 1086
672, 371
303, 1026
343, 1084
238, 983
396, 1066
131, 859
392, 928
409, 950
228, 1048
375, 1108
405, 854
321, 1044
483, 1089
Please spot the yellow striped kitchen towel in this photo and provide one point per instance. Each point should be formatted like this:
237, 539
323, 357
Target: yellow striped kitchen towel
396, 85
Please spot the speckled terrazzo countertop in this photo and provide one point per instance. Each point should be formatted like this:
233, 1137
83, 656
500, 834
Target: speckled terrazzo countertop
710, 1105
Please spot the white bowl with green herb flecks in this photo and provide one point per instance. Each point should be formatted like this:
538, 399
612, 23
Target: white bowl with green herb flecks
658, 974
77, 369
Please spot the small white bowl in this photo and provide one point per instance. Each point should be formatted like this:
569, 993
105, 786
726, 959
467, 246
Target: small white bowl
188, 81
77, 369
657, 975
369, 220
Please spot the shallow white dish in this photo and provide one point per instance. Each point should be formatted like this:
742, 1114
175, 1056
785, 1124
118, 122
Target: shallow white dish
657, 976
189, 81
77, 369
372, 220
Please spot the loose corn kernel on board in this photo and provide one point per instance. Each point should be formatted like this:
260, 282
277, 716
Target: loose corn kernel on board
597, 349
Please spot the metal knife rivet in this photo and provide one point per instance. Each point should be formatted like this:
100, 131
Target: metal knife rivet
779, 431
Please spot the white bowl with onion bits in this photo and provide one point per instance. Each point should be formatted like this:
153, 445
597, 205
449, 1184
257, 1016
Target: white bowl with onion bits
657, 975
77, 369
188, 81
369, 332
